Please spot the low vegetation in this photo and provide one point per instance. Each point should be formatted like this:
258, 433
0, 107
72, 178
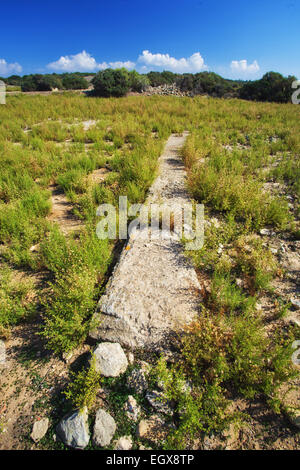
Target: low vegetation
227, 353
234, 148
16, 300
82, 390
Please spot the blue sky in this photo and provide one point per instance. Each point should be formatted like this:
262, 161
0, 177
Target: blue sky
236, 38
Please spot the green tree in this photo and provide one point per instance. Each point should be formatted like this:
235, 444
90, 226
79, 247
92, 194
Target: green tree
73, 81
38, 82
273, 87
111, 82
14, 80
155, 78
138, 82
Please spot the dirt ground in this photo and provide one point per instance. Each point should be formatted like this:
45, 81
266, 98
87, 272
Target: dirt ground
31, 385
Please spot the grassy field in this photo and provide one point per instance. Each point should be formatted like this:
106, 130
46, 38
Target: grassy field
242, 160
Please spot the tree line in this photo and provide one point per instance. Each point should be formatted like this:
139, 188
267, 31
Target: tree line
272, 87
48, 82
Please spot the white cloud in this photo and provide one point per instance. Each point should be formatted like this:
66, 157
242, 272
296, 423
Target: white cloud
84, 62
192, 64
9, 69
242, 67
116, 65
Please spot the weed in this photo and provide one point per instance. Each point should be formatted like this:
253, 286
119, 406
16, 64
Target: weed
84, 386
16, 301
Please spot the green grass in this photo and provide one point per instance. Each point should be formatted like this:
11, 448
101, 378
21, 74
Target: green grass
234, 148
227, 353
16, 302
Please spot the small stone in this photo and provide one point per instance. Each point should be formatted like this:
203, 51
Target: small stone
159, 403
274, 251
2, 353
282, 248
110, 359
34, 248
132, 409
124, 443
220, 249
265, 232
73, 429
295, 303
239, 282
137, 381
145, 448
104, 429
39, 429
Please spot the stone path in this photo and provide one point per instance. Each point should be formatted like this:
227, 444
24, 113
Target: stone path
154, 289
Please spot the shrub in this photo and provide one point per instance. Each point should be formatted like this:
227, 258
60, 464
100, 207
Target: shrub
220, 356
161, 78
155, 78
272, 87
16, 300
39, 82
111, 83
74, 81
227, 190
83, 388
227, 297
138, 82
72, 300
256, 262
72, 180
209, 83
14, 80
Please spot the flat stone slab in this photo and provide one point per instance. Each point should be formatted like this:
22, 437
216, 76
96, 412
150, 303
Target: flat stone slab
154, 290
